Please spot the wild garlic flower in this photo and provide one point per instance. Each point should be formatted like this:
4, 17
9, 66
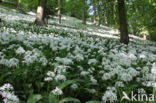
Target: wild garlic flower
92, 79
43, 61
60, 77
119, 84
84, 73
141, 91
13, 62
154, 68
7, 93
74, 86
65, 61
92, 61
57, 91
109, 96
20, 50
126, 77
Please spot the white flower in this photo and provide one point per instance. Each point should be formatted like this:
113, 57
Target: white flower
154, 68
6, 86
132, 72
60, 77
79, 57
119, 84
57, 91
48, 79
109, 96
142, 56
64, 61
13, 62
141, 91
106, 76
126, 77
74, 86
84, 73
92, 61
50, 74
7, 93
43, 60
20, 50
92, 79
132, 56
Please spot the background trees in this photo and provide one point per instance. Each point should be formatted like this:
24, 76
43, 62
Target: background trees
141, 14
124, 38
40, 14
59, 11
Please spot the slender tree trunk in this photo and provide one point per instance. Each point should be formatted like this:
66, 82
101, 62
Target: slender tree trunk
105, 13
94, 9
0, 17
59, 12
40, 15
124, 38
84, 12
84, 17
115, 17
99, 14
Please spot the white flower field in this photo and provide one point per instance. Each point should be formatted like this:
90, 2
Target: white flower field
70, 62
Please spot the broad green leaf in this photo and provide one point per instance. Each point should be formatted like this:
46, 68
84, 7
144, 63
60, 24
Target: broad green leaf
66, 83
69, 99
93, 102
52, 98
34, 98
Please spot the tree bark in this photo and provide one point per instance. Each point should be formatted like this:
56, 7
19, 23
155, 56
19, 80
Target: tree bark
0, 1
40, 15
99, 14
105, 13
94, 9
124, 38
84, 17
115, 17
59, 12
84, 12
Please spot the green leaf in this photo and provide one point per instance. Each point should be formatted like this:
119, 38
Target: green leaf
34, 98
91, 84
52, 98
69, 99
93, 102
66, 83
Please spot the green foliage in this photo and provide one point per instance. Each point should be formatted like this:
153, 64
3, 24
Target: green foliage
67, 100
34, 98
93, 102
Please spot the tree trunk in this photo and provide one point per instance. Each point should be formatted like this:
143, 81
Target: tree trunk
59, 12
0, 1
115, 17
84, 12
94, 9
105, 13
40, 15
124, 38
99, 14
84, 17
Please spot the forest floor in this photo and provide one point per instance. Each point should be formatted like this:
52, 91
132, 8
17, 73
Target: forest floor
78, 59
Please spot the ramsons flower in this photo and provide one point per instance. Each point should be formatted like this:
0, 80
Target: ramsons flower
57, 91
